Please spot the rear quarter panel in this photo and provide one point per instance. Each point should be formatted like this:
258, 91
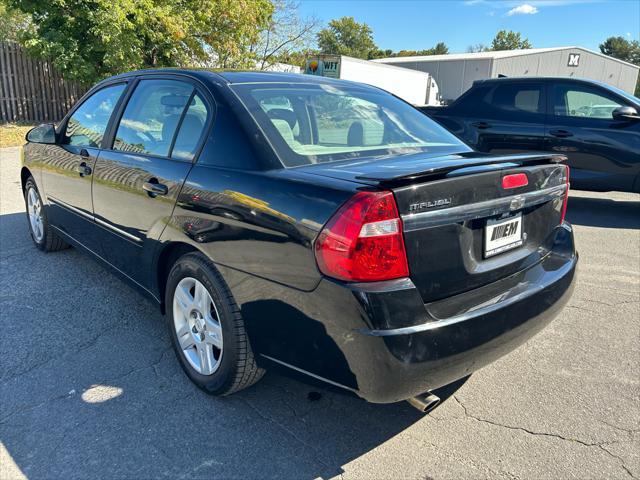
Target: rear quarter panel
262, 224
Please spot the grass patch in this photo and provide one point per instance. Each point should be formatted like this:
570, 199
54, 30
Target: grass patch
12, 135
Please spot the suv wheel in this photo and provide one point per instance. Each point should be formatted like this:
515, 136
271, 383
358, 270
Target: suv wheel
206, 328
45, 237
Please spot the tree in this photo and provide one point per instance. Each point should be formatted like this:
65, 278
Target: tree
478, 47
345, 36
439, 49
285, 34
91, 39
623, 49
12, 22
509, 40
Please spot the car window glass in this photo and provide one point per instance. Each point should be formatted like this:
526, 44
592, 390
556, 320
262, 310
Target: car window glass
281, 107
190, 130
516, 98
347, 121
88, 123
319, 123
151, 117
583, 102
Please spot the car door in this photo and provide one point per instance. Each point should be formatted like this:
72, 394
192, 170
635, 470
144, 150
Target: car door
603, 152
138, 179
511, 118
499, 116
67, 167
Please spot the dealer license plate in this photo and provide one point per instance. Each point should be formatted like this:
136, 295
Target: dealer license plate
502, 235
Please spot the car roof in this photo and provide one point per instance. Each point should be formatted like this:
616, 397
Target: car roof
233, 76
542, 79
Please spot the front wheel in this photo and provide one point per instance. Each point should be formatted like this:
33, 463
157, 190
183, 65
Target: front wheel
206, 328
43, 235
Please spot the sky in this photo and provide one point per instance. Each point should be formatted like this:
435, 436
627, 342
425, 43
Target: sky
417, 25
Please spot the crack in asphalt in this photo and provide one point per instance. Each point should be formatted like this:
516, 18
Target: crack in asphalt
620, 459
79, 349
316, 455
599, 445
464, 460
630, 431
29, 408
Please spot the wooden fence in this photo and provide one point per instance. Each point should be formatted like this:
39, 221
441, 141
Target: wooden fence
31, 90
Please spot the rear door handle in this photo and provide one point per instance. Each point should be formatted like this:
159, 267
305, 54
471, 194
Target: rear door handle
481, 125
560, 133
83, 169
153, 188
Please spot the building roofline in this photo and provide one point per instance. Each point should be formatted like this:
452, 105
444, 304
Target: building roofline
493, 55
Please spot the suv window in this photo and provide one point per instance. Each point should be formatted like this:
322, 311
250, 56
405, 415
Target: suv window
151, 117
88, 123
516, 98
191, 130
579, 101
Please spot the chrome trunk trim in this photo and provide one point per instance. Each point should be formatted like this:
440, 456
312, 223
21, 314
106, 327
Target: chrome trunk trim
487, 208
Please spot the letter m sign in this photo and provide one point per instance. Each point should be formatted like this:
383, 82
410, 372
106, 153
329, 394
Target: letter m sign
574, 60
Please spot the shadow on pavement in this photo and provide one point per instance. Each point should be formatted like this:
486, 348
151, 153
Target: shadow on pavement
90, 388
601, 212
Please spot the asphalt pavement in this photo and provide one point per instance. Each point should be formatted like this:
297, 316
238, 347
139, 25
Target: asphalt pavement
90, 388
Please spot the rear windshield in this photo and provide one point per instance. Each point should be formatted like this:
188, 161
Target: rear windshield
313, 123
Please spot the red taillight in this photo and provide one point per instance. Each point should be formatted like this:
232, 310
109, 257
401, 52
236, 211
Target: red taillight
566, 196
363, 241
515, 180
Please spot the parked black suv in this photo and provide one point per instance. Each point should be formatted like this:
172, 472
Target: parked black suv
595, 125
307, 223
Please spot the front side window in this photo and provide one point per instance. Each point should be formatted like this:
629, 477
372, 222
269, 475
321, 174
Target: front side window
88, 123
321, 123
151, 117
571, 101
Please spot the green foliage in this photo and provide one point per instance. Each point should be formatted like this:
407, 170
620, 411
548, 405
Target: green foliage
509, 40
623, 49
439, 48
477, 48
91, 39
12, 22
345, 36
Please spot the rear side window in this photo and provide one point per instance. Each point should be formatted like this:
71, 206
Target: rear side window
88, 123
472, 101
517, 98
151, 117
191, 130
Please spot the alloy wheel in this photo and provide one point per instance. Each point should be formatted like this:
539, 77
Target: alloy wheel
197, 324
34, 210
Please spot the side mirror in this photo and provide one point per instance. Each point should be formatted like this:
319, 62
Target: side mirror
625, 113
45, 133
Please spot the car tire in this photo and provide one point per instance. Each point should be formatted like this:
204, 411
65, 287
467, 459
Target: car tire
43, 235
208, 333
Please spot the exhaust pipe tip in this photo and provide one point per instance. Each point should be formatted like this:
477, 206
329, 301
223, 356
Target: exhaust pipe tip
425, 402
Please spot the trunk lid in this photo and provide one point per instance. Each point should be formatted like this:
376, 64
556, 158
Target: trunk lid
446, 204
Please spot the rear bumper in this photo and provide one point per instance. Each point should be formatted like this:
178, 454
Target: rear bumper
384, 343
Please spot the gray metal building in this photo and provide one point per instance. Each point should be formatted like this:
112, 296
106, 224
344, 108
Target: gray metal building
455, 73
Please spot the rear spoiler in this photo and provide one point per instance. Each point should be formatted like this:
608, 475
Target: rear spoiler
465, 163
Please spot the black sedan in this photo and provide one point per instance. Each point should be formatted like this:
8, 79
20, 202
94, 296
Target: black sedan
306, 223
596, 126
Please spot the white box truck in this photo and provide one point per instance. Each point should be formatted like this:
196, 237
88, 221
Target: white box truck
418, 88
